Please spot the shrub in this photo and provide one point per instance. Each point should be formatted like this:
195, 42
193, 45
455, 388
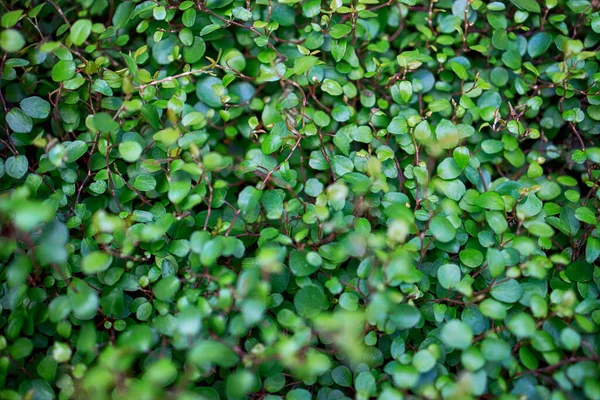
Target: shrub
228, 199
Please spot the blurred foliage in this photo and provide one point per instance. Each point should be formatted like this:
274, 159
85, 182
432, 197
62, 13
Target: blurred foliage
296, 199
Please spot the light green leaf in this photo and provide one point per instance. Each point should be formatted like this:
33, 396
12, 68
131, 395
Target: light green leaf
442, 229
130, 151
80, 31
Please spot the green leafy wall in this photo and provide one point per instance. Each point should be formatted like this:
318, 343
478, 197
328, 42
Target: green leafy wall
299, 199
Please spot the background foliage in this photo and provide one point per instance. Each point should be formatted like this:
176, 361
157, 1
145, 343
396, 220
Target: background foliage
227, 199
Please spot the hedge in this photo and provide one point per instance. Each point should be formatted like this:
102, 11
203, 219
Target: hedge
297, 199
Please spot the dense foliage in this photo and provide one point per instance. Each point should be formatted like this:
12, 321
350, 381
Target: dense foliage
228, 199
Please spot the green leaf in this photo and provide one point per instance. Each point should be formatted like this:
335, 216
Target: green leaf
442, 229
47, 368
342, 376
21, 348
104, 123
472, 258
365, 384
166, 288
459, 70
580, 271
10, 19
249, 203
95, 262
35, 107
75, 150
332, 87
448, 169
528, 358
338, 49
461, 156
214, 161
137, 338
303, 64
299, 264
167, 136
457, 334
405, 376
495, 349
11, 40
272, 143
83, 299
586, 215
123, 14
144, 182
492, 146
500, 39
570, 339
209, 29
193, 118
61, 352
178, 190
101, 86
405, 90
338, 31
310, 301
539, 44
208, 352
159, 13
490, 201
80, 31
530, 206
212, 4
423, 361
16, 167
521, 325
234, 59
592, 250
527, 5
422, 131
63, 70
447, 134
495, 219
206, 94
509, 291
405, 316
496, 262
18, 121
542, 341
242, 13
240, 383
130, 151
449, 275
512, 59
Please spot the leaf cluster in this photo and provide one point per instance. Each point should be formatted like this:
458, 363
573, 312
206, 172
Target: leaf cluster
298, 199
